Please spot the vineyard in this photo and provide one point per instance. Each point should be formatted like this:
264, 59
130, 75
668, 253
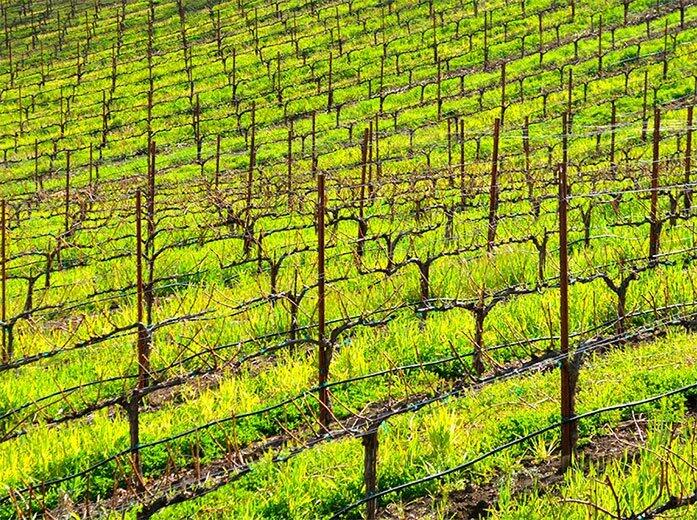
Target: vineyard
389, 259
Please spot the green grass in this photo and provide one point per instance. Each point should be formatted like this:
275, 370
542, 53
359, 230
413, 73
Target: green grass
200, 268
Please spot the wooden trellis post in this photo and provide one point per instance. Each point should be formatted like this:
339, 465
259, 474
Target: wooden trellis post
370, 466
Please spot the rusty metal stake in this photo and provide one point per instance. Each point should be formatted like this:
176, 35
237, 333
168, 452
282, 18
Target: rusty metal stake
644, 122
494, 189
289, 165
5, 354
613, 125
688, 159
361, 204
653, 218
568, 428
134, 404
217, 161
67, 191
250, 180
462, 165
323, 351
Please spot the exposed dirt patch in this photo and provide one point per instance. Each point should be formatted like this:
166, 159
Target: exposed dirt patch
476, 500
176, 395
626, 438
179, 484
471, 502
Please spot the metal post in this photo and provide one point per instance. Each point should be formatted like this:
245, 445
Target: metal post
568, 429
325, 409
361, 205
67, 191
688, 159
494, 189
134, 405
462, 164
653, 219
5, 354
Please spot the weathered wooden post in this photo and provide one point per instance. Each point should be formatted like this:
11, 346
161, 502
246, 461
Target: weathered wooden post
370, 463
